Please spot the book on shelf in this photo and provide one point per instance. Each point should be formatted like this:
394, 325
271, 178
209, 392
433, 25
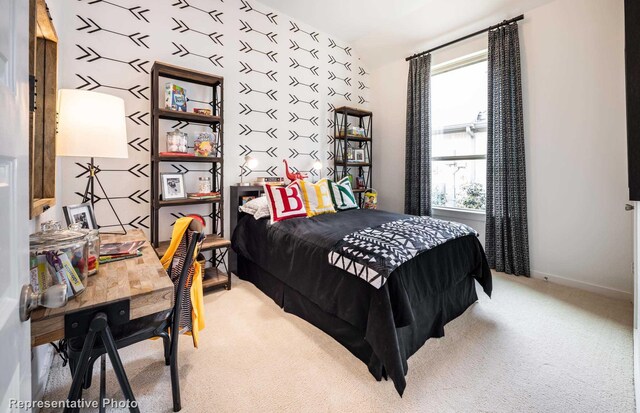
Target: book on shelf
185, 154
203, 195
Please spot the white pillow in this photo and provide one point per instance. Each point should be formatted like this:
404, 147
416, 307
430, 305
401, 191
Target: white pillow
258, 207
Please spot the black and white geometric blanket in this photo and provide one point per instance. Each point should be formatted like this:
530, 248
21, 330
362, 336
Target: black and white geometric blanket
374, 253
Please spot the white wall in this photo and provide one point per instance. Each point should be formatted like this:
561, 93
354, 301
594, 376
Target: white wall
574, 113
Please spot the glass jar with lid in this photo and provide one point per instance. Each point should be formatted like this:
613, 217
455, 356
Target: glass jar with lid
58, 256
93, 244
177, 141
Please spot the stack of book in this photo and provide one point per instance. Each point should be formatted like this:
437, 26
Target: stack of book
203, 195
117, 251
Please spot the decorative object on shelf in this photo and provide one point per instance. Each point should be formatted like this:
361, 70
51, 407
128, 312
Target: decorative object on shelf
353, 148
204, 195
182, 154
92, 124
249, 162
202, 111
175, 97
172, 186
81, 214
58, 256
204, 184
177, 141
371, 199
204, 144
293, 175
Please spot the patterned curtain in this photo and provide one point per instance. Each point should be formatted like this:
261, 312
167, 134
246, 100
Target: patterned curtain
507, 243
417, 178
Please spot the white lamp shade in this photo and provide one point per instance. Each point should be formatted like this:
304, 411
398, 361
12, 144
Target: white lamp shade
91, 124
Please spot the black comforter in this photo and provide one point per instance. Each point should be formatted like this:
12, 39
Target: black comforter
419, 298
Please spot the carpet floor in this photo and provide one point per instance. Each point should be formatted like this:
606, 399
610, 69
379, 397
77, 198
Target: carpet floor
533, 347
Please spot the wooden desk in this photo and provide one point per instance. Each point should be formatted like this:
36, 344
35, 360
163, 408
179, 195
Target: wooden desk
142, 280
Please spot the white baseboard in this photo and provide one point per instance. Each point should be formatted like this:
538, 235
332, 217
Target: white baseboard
594, 288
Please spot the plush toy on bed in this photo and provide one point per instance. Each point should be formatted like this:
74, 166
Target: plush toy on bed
292, 175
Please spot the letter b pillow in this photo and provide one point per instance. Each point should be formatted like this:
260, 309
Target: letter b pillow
285, 202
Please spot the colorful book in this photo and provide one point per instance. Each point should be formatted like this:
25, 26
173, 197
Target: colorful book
120, 248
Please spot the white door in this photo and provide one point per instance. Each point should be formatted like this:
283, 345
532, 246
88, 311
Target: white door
15, 347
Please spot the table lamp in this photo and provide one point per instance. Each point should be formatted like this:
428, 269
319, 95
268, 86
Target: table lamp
93, 125
249, 162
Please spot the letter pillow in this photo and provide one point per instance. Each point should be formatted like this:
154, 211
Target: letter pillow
317, 197
342, 194
285, 202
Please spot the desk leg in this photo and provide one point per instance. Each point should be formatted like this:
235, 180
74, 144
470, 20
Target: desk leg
103, 382
81, 368
118, 368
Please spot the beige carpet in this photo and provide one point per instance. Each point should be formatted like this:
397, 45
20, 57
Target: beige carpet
534, 347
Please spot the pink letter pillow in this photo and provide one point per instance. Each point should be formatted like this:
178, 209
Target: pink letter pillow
285, 202
316, 197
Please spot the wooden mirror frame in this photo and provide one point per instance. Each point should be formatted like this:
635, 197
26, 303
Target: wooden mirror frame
43, 90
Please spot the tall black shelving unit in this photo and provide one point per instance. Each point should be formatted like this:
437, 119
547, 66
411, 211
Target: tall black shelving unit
215, 241
342, 118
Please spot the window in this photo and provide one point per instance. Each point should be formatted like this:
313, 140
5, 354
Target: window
459, 133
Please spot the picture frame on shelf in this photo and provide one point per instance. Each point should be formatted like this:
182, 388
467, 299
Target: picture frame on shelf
172, 185
359, 155
360, 182
80, 214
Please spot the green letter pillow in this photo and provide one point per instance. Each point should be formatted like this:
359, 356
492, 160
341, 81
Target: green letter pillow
342, 195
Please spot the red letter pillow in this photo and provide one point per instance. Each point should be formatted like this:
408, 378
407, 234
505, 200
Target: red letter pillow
285, 202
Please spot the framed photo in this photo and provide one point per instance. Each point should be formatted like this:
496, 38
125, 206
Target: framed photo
80, 214
360, 182
358, 155
172, 186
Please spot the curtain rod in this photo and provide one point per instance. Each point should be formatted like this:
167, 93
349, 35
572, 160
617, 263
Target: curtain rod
433, 49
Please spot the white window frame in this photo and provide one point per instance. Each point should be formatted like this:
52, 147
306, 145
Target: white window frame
452, 212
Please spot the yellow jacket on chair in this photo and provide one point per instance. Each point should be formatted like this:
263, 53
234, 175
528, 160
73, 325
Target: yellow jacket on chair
197, 300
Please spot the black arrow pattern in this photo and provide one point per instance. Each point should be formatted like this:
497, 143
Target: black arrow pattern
139, 144
182, 169
246, 27
92, 27
246, 7
246, 89
311, 171
90, 55
296, 46
294, 64
295, 117
271, 75
333, 45
138, 196
137, 170
214, 14
182, 51
137, 11
346, 80
246, 110
295, 82
333, 61
246, 47
182, 27
294, 153
295, 100
346, 95
330, 155
247, 130
362, 86
138, 118
362, 100
271, 171
92, 84
270, 151
295, 136
137, 223
361, 71
295, 28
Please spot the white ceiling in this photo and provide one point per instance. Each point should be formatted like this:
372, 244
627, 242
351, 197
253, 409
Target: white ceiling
383, 30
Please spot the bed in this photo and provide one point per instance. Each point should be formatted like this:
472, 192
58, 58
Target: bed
383, 327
